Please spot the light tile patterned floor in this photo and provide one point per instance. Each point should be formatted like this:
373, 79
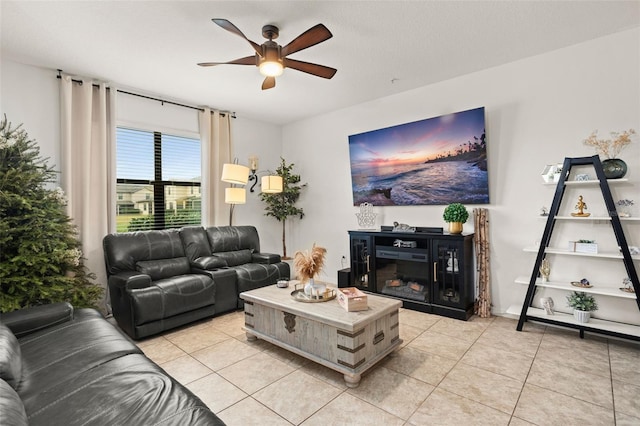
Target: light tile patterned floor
447, 372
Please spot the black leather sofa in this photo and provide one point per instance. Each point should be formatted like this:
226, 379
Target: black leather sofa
60, 367
159, 280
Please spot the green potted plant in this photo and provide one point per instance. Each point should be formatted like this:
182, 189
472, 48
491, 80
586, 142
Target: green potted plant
583, 304
455, 214
282, 205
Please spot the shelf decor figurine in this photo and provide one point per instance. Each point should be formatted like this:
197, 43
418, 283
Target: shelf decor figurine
366, 217
545, 270
455, 214
627, 285
547, 304
624, 207
614, 168
583, 304
581, 206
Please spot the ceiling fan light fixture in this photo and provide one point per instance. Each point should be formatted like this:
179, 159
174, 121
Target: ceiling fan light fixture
271, 68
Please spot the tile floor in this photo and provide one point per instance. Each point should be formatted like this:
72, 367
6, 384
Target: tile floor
447, 372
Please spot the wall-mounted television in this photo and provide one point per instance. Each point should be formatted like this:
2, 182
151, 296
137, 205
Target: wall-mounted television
438, 160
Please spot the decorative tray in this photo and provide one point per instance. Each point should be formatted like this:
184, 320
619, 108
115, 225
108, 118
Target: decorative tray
299, 295
579, 284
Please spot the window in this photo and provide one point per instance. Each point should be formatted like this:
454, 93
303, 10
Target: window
158, 180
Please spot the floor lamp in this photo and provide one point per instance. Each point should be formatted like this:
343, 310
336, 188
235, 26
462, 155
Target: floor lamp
235, 174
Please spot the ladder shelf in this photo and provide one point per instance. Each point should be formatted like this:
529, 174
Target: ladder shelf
528, 312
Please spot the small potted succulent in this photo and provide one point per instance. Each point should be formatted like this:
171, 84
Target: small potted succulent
583, 304
455, 214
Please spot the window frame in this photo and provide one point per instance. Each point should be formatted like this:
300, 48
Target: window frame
157, 183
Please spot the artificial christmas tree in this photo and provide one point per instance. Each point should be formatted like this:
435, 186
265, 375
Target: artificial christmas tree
40, 256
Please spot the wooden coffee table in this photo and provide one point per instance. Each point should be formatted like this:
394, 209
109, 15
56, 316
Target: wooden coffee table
348, 342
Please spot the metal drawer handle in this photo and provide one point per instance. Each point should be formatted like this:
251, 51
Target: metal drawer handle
379, 337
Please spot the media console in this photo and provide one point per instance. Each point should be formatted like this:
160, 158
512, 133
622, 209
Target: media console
429, 271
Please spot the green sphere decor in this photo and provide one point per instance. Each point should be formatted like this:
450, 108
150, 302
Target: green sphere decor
455, 212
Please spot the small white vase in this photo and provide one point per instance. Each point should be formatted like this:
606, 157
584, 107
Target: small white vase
312, 289
581, 316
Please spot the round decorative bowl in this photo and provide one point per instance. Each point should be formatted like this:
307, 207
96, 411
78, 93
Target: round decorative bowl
282, 283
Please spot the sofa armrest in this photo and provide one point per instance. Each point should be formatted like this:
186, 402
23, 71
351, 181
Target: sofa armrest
28, 320
267, 258
208, 263
130, 280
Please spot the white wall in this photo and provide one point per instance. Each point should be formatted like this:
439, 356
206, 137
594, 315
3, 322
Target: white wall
29, 95
538, 111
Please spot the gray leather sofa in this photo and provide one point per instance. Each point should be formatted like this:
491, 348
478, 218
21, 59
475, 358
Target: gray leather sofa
60, 367
159, 280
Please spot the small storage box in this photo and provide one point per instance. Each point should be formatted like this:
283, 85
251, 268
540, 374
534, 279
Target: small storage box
583, 247
352, 299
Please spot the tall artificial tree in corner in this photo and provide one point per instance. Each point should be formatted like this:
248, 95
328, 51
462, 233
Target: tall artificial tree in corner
40, 257
283, 205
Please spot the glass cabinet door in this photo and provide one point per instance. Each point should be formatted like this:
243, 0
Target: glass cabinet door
360, 261
448, 285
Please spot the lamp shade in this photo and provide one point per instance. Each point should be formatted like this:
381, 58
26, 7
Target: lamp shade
235, 195
235, 173
272, 184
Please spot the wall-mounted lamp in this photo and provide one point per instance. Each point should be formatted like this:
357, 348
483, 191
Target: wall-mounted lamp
253, 167
271, 184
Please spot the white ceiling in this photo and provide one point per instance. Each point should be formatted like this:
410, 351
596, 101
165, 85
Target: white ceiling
379, 47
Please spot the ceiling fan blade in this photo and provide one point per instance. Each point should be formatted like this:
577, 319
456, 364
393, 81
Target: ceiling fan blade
269, 83
309, 38
248, 60
233, 29
309, 68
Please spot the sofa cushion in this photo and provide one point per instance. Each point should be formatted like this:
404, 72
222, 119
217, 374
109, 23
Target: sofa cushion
11, 407
195, 242
172, 296
10, 357
256, 275
231, 238
123, 250
164, 268
209, 263
234, 258
129, 390
55, 355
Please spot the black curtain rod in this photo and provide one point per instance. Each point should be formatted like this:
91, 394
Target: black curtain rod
162, 101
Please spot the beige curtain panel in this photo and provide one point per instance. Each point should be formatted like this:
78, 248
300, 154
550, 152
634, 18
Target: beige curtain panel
88, 131
215, 137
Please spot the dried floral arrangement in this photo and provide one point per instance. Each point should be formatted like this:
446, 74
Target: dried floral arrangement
610, 148
309, 264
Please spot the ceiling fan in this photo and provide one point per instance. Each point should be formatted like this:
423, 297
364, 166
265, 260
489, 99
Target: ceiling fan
271, 58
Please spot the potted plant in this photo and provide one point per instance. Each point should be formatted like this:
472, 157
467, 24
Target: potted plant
282, 205
613, 167
455, 214
582, 304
